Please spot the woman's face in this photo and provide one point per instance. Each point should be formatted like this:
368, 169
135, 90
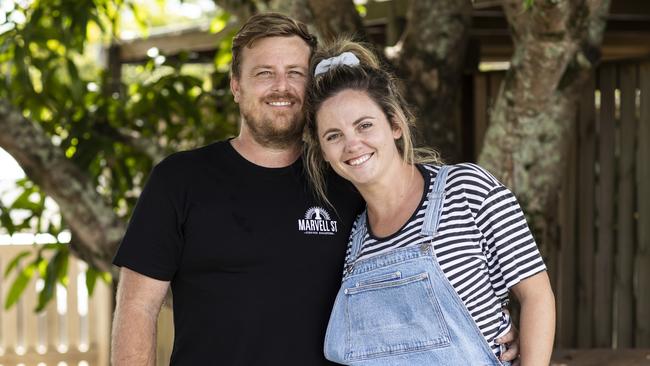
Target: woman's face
356, 138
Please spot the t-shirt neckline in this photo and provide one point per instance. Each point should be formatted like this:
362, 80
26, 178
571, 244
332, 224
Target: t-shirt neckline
258, 169
425, 191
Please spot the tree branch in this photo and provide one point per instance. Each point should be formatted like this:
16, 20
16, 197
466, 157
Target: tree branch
95, 227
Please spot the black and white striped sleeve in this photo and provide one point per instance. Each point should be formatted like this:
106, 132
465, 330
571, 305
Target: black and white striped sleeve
509, 244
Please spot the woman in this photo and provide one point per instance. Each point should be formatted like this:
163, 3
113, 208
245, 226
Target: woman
432, 258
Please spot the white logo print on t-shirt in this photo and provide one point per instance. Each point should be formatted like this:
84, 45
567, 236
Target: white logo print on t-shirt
317, 221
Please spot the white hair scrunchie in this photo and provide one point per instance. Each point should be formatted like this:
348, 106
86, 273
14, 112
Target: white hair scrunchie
346, 58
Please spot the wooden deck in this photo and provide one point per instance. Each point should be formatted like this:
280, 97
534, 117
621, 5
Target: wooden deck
601, 357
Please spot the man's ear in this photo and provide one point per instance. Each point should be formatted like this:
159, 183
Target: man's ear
234, 88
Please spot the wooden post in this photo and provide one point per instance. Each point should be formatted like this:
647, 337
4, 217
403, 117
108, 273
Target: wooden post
114, 69
30, 318
52, 325
642, 265
480, 111
624, 300
566, 278
72, 314
99, 318
603, 269
9, 319
165, 336
587, 151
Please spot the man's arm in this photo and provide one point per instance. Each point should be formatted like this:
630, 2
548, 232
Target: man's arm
138, 302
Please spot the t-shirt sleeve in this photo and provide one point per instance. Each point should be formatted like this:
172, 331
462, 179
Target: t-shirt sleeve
153, 240
509, 245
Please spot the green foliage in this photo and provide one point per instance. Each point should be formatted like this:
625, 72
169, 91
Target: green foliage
528, 4
52, 271
55, 272
26, 211
361, 9
50, 71
20, 283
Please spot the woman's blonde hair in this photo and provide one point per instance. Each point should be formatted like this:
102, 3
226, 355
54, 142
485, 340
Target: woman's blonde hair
369, 77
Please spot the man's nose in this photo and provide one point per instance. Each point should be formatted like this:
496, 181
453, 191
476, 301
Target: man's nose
280, 83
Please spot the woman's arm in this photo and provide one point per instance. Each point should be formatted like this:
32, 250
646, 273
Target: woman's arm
537, 319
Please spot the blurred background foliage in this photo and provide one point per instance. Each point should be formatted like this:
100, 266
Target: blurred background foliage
54, 66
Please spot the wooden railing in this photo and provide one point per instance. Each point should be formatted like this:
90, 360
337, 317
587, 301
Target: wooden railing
73, 329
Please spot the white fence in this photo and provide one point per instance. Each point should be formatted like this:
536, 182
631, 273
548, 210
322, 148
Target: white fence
73, 330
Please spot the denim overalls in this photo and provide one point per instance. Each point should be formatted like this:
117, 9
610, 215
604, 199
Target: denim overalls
398, 308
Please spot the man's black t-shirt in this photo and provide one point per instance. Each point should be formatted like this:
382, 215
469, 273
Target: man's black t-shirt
253, 258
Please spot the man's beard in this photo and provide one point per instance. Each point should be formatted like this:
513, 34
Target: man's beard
265, 132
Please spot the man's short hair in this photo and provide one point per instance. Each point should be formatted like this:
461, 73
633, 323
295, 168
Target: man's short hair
267, 25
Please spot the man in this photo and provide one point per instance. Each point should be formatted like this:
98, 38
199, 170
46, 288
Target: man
253, 259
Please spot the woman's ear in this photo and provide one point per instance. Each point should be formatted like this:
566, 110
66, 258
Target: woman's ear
397, 130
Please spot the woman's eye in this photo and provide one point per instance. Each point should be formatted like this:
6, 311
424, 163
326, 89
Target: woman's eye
332, 137
365, 125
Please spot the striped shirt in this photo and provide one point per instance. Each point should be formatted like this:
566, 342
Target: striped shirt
483, 245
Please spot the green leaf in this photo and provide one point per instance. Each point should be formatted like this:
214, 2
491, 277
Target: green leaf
218, 23
106, 277
23, 202
16, 261
62, 273
78, 86
91, 280
54, 267
362, 10
140, 17
19, 286
6, 221
528, 4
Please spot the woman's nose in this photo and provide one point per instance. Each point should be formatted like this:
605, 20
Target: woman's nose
352, 142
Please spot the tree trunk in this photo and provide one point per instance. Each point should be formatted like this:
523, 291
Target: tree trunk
96, 229
430, 60
337, 17
556, 51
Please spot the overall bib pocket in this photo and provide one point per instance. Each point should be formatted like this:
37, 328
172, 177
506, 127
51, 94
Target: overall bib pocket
390, 314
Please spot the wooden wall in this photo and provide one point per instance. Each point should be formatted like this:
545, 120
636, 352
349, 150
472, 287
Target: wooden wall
600, 263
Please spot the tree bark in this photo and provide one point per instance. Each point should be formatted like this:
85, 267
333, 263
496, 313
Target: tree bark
556, 51
242, 9
337, 17
96, 229
430, 59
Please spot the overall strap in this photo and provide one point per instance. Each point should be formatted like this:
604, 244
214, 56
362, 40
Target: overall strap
435, 197
357, 235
